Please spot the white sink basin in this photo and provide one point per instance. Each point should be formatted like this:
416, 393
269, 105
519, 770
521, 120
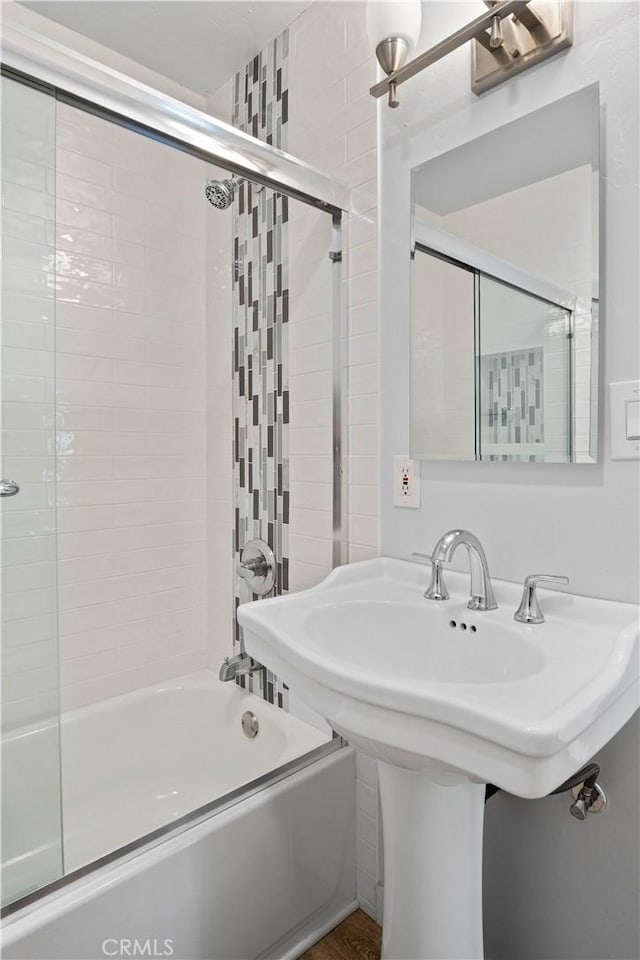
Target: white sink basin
356, 633
448, 699
521, 706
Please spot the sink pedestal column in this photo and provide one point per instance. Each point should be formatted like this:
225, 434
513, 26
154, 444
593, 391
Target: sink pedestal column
432, 824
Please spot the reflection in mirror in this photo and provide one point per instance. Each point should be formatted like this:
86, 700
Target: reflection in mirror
504, 292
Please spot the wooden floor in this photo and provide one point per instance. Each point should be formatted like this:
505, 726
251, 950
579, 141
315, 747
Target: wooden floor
356, 938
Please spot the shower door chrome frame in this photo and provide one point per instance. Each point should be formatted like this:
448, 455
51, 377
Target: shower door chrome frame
30, 58
92, 86
24, 905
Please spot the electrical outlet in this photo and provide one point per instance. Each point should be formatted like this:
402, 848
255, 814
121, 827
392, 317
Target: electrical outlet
406, 482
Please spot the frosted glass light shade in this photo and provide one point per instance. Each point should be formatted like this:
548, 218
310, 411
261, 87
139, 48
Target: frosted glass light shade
394, 18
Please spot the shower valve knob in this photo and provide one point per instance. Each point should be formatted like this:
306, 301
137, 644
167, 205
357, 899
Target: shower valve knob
257, 567
9, 488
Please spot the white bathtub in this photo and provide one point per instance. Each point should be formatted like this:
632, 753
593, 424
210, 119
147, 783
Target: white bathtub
259, 878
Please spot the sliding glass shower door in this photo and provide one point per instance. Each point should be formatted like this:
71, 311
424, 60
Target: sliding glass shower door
171, 390
492, 365
31, 794
524, 375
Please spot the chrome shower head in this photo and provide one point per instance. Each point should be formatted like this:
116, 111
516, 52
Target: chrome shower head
220, 193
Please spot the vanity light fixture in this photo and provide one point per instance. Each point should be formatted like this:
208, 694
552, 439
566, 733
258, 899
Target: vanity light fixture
508, 38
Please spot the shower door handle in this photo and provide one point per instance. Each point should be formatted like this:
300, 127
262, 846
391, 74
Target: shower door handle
8, 488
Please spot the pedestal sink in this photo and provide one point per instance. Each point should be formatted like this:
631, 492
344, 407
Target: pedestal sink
446, 700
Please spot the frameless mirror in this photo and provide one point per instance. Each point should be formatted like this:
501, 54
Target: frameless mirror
504, 292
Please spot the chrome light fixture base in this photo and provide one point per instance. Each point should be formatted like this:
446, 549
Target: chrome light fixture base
392, 53
542, 29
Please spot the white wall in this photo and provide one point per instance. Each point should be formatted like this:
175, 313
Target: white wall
578, 520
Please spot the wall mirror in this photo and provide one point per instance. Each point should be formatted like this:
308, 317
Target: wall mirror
504, 292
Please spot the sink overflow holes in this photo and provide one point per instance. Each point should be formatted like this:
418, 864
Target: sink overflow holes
463, 626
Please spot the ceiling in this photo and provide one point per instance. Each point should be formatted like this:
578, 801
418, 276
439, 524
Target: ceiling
197, 43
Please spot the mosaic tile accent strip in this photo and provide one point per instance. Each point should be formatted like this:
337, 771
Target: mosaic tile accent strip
260, 339
513, 401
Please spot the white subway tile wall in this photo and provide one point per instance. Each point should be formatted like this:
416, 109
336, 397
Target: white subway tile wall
131, 409
332, 125
310, 391
220, 594
28, 521
334, 128
261, 357
219, 258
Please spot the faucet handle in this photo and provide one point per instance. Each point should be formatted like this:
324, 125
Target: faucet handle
535, 578
529, 610
437, 589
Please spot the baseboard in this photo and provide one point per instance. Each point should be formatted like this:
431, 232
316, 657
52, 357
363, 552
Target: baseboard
379, 901
309, 934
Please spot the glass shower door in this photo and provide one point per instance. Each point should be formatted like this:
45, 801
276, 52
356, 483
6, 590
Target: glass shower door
31, 793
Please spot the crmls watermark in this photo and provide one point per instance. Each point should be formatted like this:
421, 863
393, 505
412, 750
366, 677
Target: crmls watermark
137, 948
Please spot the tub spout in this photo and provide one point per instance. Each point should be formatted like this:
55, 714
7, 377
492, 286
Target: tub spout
238, 666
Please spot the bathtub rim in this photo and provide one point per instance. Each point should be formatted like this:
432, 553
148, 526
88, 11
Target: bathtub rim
23, 906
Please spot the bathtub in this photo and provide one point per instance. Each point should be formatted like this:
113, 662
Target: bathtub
263, 869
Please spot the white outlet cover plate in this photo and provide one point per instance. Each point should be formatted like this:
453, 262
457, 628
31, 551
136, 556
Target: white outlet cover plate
406, 482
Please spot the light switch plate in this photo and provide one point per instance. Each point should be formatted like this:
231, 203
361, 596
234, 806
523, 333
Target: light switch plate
624, 404
406, 482
633, 419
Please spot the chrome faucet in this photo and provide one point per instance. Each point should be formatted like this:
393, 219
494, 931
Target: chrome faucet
481, 596
238, 666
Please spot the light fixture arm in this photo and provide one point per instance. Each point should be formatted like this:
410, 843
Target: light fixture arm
541, 42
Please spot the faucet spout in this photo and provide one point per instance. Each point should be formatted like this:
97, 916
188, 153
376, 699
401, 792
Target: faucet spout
238, 666
482, 596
